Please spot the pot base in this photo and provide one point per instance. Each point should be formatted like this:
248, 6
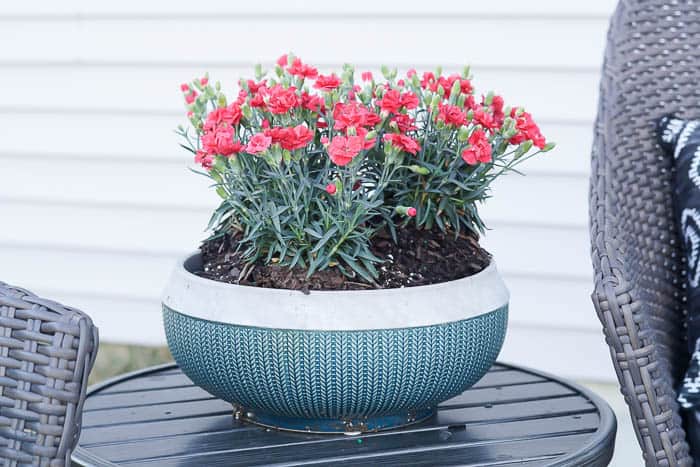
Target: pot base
347, 426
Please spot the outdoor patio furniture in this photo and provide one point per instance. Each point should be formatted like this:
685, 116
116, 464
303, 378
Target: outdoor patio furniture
46, 354
513, 415
651, 68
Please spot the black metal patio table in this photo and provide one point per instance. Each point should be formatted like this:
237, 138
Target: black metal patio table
512, 416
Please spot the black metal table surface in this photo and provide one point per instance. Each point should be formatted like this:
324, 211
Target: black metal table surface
513, 416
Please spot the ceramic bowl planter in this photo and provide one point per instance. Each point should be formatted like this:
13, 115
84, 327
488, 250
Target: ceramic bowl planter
334, 361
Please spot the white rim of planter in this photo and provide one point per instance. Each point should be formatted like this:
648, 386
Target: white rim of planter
333, 310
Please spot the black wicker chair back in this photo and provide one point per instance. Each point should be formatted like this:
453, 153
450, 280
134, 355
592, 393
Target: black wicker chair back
651, 67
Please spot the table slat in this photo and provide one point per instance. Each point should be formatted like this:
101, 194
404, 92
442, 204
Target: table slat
262, 442
572, 405
461, 452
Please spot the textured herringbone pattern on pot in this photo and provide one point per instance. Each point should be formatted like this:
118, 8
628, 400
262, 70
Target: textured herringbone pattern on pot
332, 374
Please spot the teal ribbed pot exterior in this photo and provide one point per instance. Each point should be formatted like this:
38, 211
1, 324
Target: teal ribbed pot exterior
310, 374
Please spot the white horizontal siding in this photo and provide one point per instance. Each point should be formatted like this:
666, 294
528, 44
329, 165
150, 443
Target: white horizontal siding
304, 8
96, 201
573, 42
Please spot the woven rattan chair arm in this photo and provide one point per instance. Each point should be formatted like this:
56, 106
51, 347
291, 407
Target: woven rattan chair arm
46, 354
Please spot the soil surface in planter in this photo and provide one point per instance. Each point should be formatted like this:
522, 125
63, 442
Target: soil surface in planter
419, 258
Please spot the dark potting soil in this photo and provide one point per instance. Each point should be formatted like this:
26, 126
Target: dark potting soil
419, 257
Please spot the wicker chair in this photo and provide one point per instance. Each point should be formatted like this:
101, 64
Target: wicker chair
46, 354
651, 67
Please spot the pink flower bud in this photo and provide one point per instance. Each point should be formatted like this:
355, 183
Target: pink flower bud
331, 189
190, 114
411, 73
184, 87
411, 212
204, 81
367, 76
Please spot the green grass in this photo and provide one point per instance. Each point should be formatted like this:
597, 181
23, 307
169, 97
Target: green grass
115, 359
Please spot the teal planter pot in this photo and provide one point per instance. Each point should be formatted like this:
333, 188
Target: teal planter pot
336, 361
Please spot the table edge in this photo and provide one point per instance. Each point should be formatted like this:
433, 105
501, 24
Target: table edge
597, 452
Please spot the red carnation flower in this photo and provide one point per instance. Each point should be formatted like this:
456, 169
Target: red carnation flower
331, 189
404, 122
296, 137
403, 142
343, 149
479, 149
470, 103
353, 114
191, 96
277, 134
390, 101
497, 105
220, 141
447, 84
527, 130
204, 159
302, 70
242, 95
230, 115
312, 102
465, 86
327, 83
371, 119
255, 87
258, 100
281, 100
485, 119
409, 100
428, 81
451, 115
258, 143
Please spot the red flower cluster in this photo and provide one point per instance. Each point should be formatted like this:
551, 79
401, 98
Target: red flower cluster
527, 130
289, 114
430, 82
479, 149
219, 133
